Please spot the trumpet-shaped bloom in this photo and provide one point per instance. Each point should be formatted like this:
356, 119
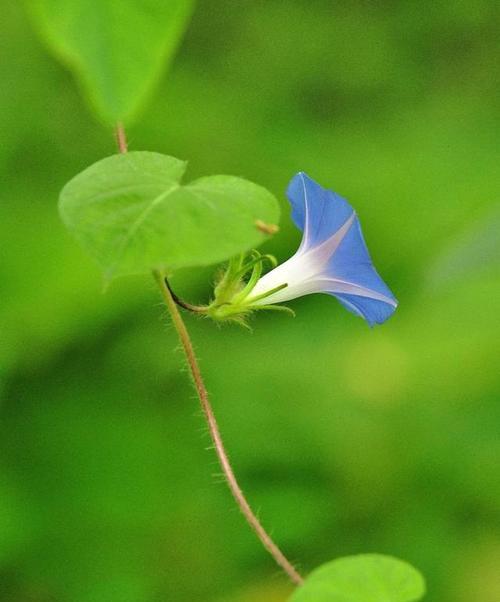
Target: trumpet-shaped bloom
332, 257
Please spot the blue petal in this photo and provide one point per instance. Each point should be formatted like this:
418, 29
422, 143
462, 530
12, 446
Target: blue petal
318, 212
352, 262
372, 310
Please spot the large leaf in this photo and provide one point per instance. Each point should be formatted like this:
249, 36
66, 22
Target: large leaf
132, 214
363, 578
117, 48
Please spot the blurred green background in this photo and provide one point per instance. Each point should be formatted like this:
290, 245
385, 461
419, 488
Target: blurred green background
345, 439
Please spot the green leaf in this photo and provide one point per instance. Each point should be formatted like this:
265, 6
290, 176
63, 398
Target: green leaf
116, 48
363, 578
133, 215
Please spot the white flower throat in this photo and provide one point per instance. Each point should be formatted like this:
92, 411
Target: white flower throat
305, 273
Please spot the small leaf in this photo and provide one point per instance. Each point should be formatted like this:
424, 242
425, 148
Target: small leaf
116, 48
363, 578
133, 215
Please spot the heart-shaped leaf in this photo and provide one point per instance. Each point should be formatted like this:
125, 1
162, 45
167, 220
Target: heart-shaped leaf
363, 578
132, 213
117, 48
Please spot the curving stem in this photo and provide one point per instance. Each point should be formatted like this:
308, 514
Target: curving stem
213, 428
215, 435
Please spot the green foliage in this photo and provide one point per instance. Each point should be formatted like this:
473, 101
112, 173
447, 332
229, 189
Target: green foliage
363, 578
116, 48
475, 251
133, 215
345, 441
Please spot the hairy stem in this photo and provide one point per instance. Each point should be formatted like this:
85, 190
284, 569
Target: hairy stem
213, 428
201, 390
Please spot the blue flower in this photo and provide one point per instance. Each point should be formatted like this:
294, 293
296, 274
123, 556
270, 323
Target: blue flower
332, 257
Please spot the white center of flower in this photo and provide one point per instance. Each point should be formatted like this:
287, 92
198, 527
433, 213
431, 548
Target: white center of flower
303, 272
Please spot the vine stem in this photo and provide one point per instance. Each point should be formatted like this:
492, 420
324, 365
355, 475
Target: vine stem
187, 345
215, 435
121, 137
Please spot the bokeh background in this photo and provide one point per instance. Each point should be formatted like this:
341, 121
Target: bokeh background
345, 439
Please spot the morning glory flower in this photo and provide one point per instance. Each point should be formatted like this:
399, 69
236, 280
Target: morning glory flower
332, 257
